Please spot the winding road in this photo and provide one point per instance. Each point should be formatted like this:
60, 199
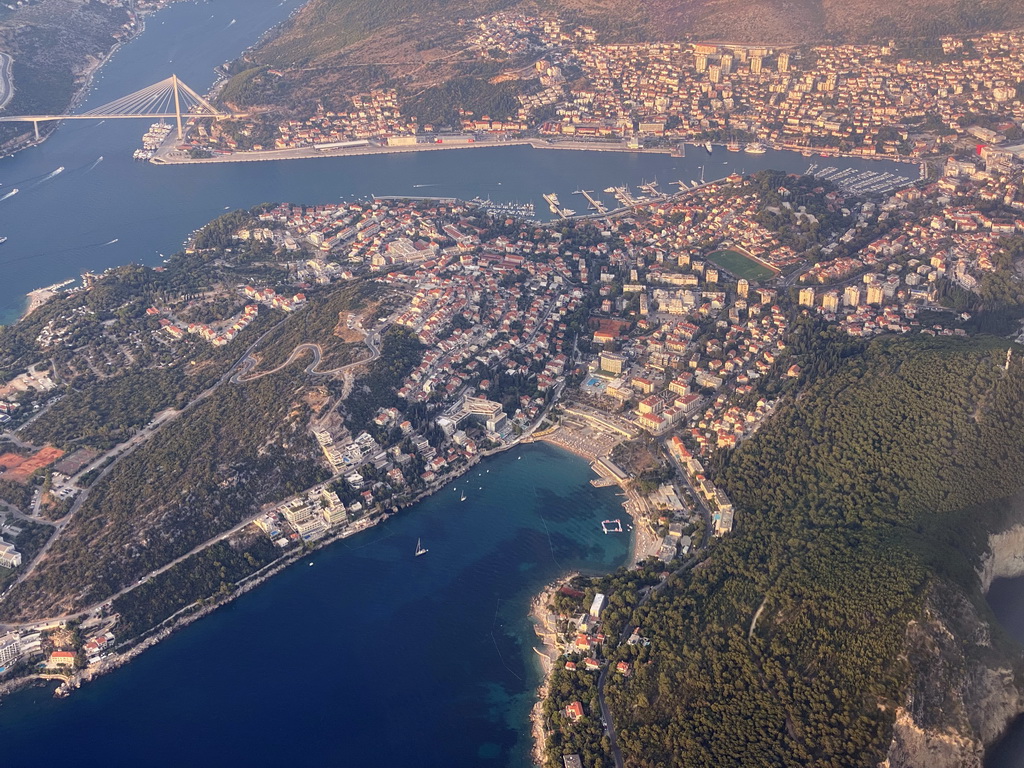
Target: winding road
236, 374
606, 715
244, 376
6, 79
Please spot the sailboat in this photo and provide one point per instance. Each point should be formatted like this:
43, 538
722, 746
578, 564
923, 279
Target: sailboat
463, 496
420, 550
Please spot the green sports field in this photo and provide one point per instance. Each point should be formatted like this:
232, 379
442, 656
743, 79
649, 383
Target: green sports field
740, 265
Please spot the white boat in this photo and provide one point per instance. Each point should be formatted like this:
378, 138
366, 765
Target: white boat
707, 146
420, 550
463, 498
755, 149
3, 239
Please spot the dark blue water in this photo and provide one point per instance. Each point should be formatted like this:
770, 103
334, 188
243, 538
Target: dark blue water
1006, 598
61, 226
371, 657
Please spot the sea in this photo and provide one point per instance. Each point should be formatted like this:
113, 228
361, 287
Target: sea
1006, 599
99, 213
361, 655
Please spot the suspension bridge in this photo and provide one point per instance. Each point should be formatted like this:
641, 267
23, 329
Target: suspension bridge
166, 99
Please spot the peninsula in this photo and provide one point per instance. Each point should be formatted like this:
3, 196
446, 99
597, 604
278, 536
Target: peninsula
49, 52
358, 355
543, 79
806, 386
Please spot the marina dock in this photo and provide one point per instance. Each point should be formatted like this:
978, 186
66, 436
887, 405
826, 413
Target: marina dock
594, 203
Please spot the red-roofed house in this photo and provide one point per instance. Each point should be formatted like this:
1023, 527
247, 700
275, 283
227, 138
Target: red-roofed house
61, 659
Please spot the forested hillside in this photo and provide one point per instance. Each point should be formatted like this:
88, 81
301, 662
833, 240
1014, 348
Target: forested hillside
194, 479
331, 49
787, 646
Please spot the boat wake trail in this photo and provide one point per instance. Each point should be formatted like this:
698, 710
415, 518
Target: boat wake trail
58, 252
96, 162
48, 176
495, 641
12, 193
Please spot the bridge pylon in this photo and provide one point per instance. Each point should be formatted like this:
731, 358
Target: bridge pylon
170, 98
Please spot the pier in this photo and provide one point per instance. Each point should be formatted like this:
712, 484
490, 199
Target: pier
592, 201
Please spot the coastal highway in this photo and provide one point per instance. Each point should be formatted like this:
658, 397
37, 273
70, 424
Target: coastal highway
606, 715
233, 374
118, 453
6, 79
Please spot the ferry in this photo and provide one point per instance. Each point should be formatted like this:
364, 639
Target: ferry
755, 149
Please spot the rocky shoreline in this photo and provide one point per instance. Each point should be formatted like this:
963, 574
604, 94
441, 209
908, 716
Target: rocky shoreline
90, 68
195, 611
954, 648
539, 618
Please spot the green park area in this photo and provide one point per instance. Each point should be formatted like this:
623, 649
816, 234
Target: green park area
740, 265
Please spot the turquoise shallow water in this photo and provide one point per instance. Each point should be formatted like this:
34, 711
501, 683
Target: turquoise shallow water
371, 657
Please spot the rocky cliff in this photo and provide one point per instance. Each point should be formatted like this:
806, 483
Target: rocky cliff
967, 684
1005, 556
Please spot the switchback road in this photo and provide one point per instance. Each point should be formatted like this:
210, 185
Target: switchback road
6, 79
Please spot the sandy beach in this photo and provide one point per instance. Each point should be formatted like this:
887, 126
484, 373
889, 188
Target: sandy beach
40, 296
644, 542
